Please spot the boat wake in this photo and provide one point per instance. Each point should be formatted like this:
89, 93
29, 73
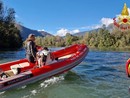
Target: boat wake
33, 92
2, 92
45, 84
51, 81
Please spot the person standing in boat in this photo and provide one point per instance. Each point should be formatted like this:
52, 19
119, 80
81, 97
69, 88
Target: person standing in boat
31, 49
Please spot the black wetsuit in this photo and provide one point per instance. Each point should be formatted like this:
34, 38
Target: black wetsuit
31, 51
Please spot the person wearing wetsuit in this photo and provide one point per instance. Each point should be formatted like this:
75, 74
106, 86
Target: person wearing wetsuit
31, 48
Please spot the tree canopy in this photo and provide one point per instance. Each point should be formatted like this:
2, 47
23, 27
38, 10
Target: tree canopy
99, 39
10, 37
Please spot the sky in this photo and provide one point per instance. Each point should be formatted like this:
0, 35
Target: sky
58, 17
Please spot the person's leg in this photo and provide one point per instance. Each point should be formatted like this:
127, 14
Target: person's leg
30, 58
39, 62
44, 59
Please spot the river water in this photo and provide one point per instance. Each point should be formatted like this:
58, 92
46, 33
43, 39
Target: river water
100, 75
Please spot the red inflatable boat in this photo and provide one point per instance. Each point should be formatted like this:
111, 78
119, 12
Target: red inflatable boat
68, 58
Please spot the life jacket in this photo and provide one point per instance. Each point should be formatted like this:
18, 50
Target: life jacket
43, 52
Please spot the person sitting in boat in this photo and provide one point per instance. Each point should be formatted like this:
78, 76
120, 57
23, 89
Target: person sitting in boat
2, 75
43, 55
31, 48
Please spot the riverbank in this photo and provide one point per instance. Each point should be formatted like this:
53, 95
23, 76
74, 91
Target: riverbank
121, 49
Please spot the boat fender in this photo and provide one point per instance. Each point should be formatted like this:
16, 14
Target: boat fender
128, 67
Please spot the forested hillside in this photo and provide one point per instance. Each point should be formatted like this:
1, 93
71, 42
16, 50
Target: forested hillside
10, 37
100, 39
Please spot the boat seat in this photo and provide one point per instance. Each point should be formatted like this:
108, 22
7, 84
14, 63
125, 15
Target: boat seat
65, 57
9, 73
25, 64
15, 67
50, 61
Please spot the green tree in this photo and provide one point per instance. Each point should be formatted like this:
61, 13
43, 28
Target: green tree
10, 37
68, 39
